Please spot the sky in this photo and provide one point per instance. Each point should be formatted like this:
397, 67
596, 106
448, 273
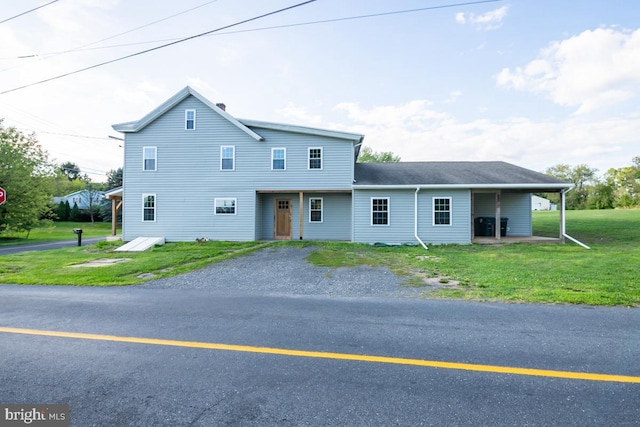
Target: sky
532, 82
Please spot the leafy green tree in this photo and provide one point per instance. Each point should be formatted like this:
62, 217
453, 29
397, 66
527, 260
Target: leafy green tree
602, 196
74, 214
367, 155
70, 170
114, 178
582, 176
627, 183
25, 174
63, 211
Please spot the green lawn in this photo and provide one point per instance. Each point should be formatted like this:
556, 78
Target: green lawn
607, 274
53, 231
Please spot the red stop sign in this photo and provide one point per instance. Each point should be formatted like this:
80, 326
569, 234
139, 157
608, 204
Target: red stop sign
3, 195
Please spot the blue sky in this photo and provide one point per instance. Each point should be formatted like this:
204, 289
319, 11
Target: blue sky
531, 82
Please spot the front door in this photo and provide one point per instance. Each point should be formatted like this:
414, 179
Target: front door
282, 226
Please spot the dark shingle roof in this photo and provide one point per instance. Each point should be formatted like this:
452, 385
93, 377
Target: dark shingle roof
472, 174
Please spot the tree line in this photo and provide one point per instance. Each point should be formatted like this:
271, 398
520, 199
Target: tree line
31, 181
617, 188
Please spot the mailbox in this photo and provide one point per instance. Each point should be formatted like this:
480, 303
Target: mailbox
78, 231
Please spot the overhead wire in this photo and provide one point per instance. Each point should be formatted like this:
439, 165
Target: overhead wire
28, 11
298, 24
159, 47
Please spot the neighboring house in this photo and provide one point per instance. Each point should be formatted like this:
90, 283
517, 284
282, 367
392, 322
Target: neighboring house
192, 170
82, 199
541, 204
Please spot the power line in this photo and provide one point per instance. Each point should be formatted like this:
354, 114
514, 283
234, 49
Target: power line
159, 47
324, 21
28, 11
138, 28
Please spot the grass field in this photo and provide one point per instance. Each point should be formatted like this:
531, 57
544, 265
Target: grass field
53, 231
607, 274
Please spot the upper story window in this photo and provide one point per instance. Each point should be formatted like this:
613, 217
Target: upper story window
149, 157
227, 158
189, 119
226, 206
149, 207
278, 159
315, 209
380, 211
442, 211
315, 158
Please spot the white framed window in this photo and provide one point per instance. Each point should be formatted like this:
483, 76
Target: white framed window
379, 211
148, 207
442, 211
315, 158
189, 119
278, 159
315, 209
228, 158
225, 206
149, 158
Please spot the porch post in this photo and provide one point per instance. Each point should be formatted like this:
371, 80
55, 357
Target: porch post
562, 216
301, 213
114, 217
497, 225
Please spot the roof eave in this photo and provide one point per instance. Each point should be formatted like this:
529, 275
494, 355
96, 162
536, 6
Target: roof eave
528, 186
303, 129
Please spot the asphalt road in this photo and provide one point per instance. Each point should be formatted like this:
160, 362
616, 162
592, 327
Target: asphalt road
29, 247
113, 383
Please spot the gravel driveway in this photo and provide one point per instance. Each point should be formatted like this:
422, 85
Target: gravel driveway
286, 271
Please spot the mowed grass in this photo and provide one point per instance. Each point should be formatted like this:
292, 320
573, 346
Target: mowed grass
607, 274
62, 266
54, 231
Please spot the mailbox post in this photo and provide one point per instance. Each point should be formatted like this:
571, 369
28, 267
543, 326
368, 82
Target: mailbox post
78, 231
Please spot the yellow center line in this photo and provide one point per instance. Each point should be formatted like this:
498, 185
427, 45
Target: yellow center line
337, 356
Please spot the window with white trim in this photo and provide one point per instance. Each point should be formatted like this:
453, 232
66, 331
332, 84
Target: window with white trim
227, 157
149, 158
442, 211
278, 159
189, 119
315, 209
380, 211
225, 206
315, 158
148, 207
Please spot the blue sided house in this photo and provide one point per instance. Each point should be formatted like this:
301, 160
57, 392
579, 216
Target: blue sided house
191, 171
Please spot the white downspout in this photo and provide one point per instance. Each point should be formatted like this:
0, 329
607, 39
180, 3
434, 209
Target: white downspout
563, 227
415, 220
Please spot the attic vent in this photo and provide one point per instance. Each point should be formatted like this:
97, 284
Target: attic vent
222, 106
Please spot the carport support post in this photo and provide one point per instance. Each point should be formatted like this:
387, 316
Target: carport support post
301, 213
562, 216
496, 228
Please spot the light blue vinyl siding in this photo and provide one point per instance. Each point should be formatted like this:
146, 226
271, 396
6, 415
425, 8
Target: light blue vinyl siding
514, 206
336, 224
401, 217
188, 178
517, 207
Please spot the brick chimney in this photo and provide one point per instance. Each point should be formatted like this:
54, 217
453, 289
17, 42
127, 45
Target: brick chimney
221, 106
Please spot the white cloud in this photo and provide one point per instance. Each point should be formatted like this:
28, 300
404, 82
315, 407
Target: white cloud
591, 70
487, 21
300, 114
417, 132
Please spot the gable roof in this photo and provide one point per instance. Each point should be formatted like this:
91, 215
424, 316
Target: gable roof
453, 175
302, 129
136, 126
